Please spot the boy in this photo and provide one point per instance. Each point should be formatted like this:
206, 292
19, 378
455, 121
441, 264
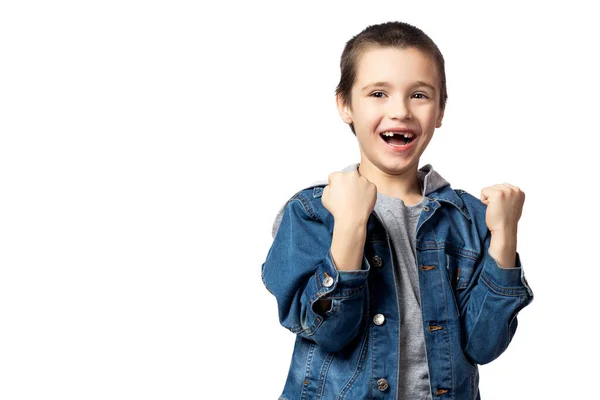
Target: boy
396, 285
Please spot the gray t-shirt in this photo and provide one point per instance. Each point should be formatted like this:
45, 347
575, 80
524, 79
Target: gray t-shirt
401, 222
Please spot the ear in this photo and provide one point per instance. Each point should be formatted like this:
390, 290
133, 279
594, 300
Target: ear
343, 110
438, 122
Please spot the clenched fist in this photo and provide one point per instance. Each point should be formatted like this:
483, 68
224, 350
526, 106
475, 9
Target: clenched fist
504, 207
349, 196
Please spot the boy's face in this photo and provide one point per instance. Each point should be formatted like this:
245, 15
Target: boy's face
403, 102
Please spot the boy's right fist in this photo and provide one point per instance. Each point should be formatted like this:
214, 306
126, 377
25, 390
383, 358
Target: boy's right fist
349, 196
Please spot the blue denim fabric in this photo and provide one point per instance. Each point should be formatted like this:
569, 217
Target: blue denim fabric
469, 302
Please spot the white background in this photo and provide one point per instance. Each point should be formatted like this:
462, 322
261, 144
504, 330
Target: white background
145, 148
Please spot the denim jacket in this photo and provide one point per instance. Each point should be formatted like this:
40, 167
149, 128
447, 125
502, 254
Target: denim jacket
469, 303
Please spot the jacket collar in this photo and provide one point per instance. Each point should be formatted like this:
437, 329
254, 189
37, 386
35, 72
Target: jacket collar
435, 187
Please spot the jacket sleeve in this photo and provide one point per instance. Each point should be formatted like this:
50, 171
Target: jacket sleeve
489, 316
299, 270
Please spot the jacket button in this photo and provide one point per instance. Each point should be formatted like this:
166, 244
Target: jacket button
327, 282
378, 319
382, 384
377, 261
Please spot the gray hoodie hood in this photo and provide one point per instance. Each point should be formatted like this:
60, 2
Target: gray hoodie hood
430, 180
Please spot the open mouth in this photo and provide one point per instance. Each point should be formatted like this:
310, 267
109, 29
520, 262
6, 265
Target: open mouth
398, 139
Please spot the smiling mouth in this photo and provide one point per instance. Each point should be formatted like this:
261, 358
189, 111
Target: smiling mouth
397, 140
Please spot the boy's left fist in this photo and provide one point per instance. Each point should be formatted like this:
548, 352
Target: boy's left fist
504, 206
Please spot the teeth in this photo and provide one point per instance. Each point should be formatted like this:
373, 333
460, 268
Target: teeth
390, 134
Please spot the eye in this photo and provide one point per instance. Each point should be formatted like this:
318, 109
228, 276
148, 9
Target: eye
421, 94
376, 93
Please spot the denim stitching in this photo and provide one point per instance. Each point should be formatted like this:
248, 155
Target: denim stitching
515, 292
323, 375
306, 381
361, 359
306, 206
446, 334
343, 293
460, 251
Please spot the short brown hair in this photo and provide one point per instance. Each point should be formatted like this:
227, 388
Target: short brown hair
396, 34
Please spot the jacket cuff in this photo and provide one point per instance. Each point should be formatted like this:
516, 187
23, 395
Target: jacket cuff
328, 282
345, 283
505, 281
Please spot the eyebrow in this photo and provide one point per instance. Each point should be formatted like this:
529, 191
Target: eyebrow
387, 84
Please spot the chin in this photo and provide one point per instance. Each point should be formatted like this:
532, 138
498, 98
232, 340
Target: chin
389, 164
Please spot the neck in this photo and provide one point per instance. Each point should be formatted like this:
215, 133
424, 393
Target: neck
403, 184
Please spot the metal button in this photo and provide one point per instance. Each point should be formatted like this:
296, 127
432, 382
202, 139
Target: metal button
378, 319
382, 384
426, 208
327, 282
377, 261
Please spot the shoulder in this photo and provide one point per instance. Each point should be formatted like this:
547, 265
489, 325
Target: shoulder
470, 201
311, 200
305, 203
476, 209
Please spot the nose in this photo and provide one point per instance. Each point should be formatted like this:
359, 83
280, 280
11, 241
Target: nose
398, 109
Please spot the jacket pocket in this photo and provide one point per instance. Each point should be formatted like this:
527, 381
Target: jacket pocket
460, 270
